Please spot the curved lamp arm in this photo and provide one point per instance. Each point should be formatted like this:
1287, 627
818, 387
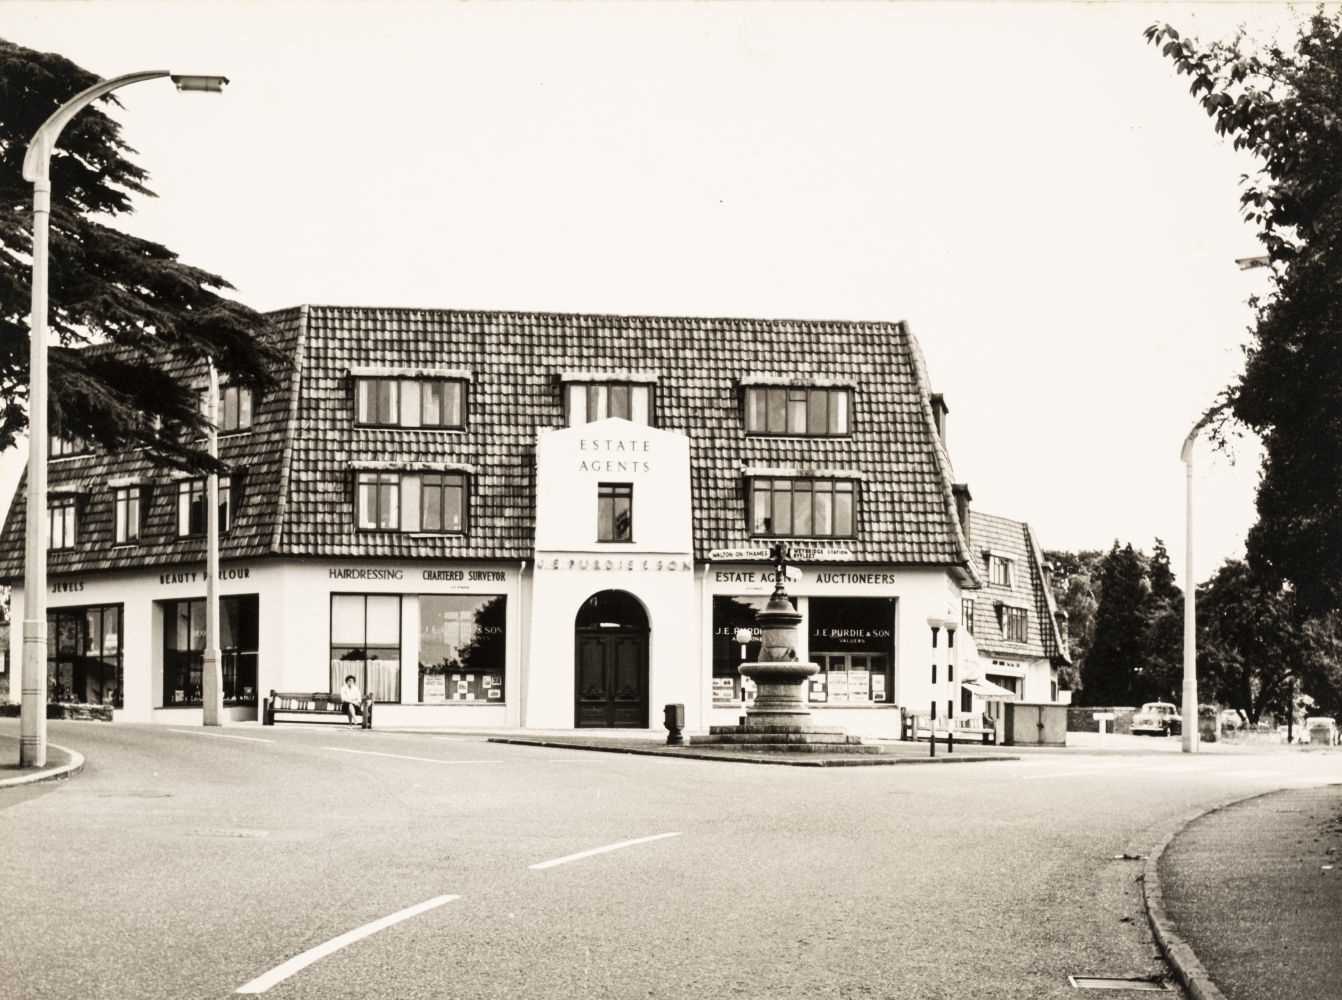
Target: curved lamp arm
38, 157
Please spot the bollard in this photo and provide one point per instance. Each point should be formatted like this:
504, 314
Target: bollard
674, 716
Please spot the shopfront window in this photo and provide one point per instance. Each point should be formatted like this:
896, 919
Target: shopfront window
366, 643
730, 614
184, 650
84, 662
852, 641
462, 647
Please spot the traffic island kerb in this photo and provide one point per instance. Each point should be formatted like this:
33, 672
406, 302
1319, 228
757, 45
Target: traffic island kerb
72, 765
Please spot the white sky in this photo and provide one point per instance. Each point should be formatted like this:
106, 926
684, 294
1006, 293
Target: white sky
1029, 185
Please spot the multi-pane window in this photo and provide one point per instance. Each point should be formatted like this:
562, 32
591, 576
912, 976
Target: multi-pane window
126, 503
184, 650
366, 643
967, 614
590, 401
411, 501
798, 411
442, 501
235, 408
391, 402
615, 512
379, 501
193, 502
999, 571
61, 522
84, 661
1017, 625
59, 445
809, 508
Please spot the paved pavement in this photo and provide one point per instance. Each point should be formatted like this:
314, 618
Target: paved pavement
1255, 889
328, 863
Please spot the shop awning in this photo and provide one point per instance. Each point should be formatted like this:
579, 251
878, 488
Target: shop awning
987, 690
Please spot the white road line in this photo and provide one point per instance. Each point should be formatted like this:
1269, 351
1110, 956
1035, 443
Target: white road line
599, 850
300, 962
219, 736
401, 756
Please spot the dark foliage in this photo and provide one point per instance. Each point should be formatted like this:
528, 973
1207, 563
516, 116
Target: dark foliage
1285, 107
105, 286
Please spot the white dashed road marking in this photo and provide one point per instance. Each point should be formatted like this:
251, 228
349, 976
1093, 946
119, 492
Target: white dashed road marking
219, 736
599, 850
300, 962
401, 756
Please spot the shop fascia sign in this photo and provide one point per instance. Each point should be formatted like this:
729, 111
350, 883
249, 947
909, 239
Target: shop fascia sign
798, 552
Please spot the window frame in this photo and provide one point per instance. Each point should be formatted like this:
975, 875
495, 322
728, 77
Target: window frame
332, 645
127, 500
227, 509
60, 445
967, 614
238, 426
395, 420
596, 385
614, 492
807, 394
854, 490
397, 478
1008, 570
67, 504
459, 481
1016, 620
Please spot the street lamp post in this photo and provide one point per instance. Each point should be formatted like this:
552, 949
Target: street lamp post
37, 171
1190, 692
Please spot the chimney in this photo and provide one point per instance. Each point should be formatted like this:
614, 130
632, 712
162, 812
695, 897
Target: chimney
962, 497
939, 411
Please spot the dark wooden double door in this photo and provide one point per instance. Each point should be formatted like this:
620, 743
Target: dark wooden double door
611, 688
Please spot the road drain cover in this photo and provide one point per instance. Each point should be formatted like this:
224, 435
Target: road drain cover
1120, 983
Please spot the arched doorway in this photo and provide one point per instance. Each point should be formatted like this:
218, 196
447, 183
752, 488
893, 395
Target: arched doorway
611, 662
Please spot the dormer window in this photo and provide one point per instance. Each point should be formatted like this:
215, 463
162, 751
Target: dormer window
587, 402
1000, 570
431, 399
798, 411
62, 445
803, 507
61, 521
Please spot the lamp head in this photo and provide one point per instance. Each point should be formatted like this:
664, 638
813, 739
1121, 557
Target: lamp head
202, 84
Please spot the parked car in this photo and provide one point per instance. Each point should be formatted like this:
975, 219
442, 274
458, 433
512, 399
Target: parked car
1231, 721
1157, 718
1319, 730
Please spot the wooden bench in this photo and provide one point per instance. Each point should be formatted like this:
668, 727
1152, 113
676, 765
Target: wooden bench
318, 703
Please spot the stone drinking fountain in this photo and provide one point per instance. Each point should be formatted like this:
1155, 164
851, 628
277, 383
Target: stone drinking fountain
780, 719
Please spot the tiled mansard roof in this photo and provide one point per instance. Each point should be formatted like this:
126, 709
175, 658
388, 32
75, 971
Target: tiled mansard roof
1029, 589
299, 456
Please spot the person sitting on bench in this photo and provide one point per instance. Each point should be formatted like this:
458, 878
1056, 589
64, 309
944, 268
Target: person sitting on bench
352, 698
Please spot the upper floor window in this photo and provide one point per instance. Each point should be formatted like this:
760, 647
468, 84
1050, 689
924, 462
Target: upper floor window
999, 570
1017, 625
967, 614
403, 402
126, 503
813, 508
61, 522
615, 512
590, 401
798, 411
235, 408
411, 501
193, 503
60, 445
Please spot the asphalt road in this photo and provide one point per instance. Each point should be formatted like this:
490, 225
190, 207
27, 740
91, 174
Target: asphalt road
185, 865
